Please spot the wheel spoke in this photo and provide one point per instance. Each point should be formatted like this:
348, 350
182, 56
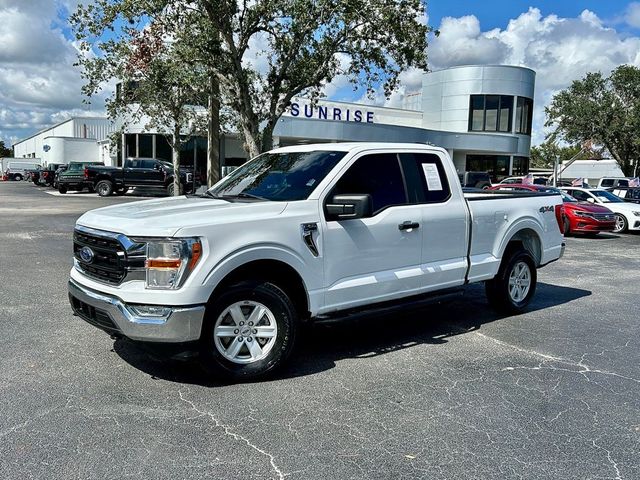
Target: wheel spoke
254, 349
225, 331
266, 332
234, 348
236, 314
257, 314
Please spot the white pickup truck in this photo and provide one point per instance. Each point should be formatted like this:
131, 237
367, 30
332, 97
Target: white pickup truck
300, 234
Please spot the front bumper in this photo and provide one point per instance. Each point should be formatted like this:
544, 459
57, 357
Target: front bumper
109, 313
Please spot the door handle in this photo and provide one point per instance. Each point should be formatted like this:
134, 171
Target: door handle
408, 225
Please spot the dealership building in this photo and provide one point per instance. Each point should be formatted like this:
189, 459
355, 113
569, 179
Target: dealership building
480, 114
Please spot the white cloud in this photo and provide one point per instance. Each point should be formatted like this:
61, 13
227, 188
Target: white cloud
38, 84
632, 15
560, 50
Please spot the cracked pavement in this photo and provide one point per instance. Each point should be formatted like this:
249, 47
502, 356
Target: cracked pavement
453, 391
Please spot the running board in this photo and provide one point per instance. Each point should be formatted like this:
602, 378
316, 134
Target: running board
393, 306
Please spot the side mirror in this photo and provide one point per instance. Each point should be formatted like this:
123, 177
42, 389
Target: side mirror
591, 200
346, 207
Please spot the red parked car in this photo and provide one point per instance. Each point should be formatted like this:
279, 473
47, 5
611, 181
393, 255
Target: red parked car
579, 217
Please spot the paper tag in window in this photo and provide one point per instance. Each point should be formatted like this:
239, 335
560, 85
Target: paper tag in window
432, 176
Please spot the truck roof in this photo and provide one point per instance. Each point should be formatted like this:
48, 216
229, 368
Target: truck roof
353, 146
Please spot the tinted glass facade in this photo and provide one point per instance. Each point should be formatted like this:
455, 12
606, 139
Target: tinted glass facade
497, 166
524, 115
490, 113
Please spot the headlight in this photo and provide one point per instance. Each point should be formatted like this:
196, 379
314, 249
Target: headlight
582, 214
169, 262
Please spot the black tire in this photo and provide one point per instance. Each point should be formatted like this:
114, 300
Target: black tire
566, 226
62, 189
500, 293
621, 223
18, 177
286, 320
104, 188
170, 189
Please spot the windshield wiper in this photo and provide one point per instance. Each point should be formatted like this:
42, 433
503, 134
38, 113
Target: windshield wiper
213, 195
249, 195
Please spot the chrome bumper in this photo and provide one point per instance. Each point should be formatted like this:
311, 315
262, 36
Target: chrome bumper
177, 324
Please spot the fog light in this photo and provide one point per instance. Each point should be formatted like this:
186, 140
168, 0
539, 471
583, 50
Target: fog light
155, 311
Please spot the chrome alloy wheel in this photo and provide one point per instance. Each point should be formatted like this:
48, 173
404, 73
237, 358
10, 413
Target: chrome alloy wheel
519, 282
103, 189
245, 332
621, 224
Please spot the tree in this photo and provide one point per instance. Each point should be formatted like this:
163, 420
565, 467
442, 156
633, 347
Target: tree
159, 86
604, 111
543, 155
305, 44
4, 151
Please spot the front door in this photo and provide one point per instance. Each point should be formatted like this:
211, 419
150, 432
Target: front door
374, 259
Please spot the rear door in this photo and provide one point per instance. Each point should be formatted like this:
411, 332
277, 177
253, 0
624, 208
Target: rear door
444, 222
134, 172
378, 258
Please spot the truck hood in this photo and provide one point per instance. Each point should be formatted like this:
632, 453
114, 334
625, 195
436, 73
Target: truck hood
166, 216
588, 207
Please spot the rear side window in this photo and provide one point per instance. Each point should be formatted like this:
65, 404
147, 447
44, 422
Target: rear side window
426, 178
378, 175
607, 182
148, 163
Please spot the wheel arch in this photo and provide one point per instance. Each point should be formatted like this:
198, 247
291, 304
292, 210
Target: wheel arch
526, 237
271, 270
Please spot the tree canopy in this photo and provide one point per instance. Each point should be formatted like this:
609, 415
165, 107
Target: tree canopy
604, 111
4, 151
263, 53
543, 155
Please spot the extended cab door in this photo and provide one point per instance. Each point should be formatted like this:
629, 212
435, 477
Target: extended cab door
444, 221
375, 258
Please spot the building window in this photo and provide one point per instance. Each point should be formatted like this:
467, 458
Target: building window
490, 113
497, 166
520, 166
131, 145
145, 145
524, 115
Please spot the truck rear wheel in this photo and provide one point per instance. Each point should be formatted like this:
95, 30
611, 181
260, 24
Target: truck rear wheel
515, 284
249, 331
104, 188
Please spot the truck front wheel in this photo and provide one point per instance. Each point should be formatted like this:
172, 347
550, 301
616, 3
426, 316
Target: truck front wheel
515, 284
249, 331
104, 188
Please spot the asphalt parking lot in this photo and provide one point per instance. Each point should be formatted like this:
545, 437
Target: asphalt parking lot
454, 391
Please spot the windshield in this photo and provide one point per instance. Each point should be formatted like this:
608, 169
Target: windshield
606, 197
279, 176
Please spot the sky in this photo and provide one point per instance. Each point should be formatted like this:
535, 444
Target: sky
560, 40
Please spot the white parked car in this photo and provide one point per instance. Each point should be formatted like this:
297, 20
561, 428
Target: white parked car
304, 233
627, 214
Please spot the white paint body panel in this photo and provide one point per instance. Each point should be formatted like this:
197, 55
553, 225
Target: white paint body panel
360, 261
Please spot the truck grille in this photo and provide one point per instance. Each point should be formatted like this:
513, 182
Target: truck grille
109, 260
604, 217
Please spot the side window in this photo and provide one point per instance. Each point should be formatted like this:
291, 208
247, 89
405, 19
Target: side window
427, 180
148, 164
135, 164
580, 195
378, 175
606, 183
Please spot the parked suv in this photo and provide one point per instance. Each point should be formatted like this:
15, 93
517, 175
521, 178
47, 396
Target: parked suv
75, 177
475, 179
304, 233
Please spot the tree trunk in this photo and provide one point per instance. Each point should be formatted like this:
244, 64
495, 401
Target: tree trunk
175, 146
251, 137
213, 132
267, 137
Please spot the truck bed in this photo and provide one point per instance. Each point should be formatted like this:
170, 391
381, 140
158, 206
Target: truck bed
496, 215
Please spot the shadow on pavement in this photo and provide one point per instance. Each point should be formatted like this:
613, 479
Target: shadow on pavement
321, 345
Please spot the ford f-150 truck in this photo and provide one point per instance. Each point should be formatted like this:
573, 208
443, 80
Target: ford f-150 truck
301, 234
137, 172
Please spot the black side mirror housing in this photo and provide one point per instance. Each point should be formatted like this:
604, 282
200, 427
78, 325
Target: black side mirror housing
348, 206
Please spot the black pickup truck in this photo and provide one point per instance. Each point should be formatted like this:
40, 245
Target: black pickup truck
137, 172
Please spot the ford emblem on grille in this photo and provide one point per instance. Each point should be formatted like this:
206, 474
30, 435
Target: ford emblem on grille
86, 254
